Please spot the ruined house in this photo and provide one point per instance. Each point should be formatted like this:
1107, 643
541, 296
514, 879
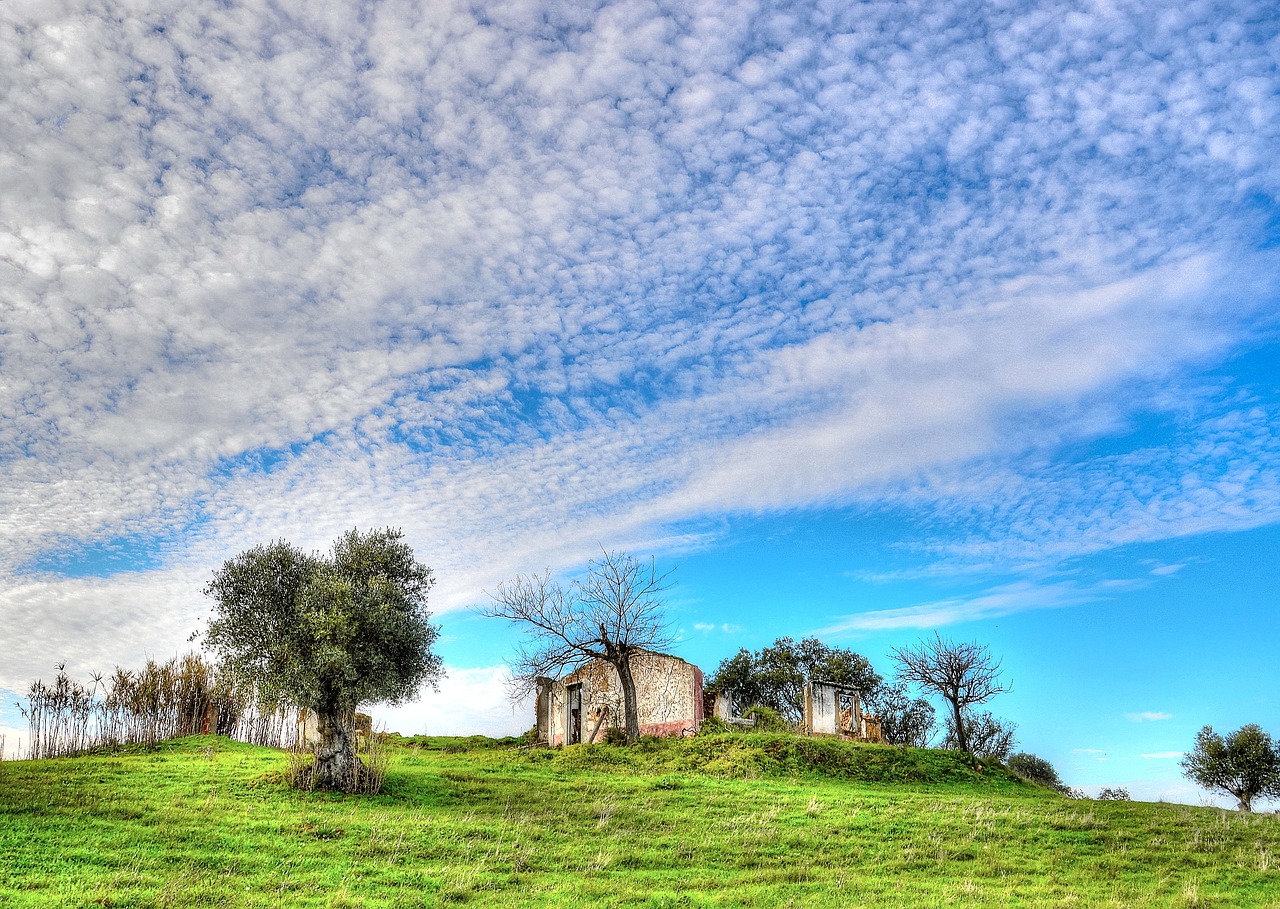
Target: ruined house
831, 709
583, 705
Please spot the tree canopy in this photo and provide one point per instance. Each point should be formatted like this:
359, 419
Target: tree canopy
328, 633
1037, 770
775, 676
904, 720
1244, 763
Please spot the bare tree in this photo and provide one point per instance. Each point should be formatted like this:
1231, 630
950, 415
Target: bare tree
611, 613
964, 674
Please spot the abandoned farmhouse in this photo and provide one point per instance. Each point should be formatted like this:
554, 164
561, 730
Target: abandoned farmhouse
584, 705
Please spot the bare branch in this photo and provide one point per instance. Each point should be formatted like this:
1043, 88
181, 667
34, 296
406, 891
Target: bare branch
613, 611
965, 674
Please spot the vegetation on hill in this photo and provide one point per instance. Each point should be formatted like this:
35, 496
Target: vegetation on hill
720, 820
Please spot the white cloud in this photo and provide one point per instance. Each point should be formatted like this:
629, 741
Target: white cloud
1163, 755
555, 278
723, 628
1148, 716
470, 702
1018, 596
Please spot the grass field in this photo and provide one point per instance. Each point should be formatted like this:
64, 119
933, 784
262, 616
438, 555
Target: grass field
716, 821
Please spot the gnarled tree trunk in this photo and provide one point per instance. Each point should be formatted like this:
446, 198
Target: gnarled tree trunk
337, 766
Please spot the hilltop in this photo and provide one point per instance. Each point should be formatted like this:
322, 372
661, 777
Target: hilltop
733, 820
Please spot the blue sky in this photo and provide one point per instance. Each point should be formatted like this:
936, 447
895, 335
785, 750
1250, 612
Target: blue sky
868, 320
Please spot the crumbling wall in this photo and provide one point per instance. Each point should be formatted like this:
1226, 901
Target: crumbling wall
586, 703
668, 694
825, 715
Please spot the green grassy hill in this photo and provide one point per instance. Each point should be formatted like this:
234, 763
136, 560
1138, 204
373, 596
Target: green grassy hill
755, 820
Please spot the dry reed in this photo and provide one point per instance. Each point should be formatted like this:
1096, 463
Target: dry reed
185, 696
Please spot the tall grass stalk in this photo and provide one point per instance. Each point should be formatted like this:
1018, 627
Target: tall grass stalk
183, 696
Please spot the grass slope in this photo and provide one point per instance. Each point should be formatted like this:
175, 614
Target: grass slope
717, 821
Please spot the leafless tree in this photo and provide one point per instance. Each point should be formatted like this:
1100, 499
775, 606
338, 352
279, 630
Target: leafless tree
964, 674
611, 613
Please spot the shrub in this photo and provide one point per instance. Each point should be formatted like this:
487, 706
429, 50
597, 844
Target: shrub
1035, 770
1116, 794
769, 720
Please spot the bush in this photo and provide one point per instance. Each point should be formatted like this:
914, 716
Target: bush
1035, 770
769, 720
713, 725
988, 738
1117, 794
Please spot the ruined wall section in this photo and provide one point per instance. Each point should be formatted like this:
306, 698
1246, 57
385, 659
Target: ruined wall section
668, 694
837, 710
668, 700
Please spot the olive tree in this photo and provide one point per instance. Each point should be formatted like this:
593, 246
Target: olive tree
1244, 763
328, 633
611, 613
964, 674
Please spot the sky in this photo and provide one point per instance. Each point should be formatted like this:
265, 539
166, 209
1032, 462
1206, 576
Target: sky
865, 320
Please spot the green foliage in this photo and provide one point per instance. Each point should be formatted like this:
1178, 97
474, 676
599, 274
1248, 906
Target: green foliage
984, 736
904, 720
775, 676
1036, 770
1246, 764
207, 822
1113, 794
713, 725
768, 720
752, 754
328, 633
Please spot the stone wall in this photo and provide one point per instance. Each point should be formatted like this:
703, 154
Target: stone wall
585, 704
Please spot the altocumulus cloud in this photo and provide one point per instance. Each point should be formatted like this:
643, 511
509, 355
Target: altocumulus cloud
526, 280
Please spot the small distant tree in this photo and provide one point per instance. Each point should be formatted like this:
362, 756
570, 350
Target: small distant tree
328, 633
964, 674
1036, 770
1113, 794
1246, 764
775, 676
615, 611
904, 720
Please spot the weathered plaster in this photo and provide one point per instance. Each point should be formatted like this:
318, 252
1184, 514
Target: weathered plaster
668, 699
